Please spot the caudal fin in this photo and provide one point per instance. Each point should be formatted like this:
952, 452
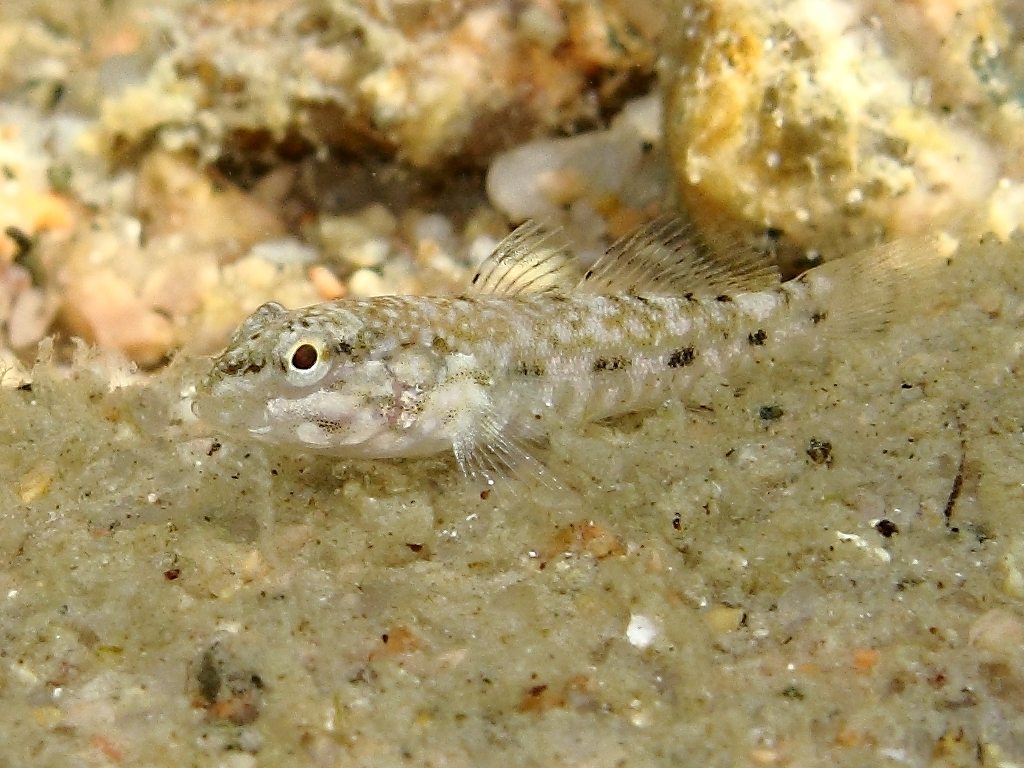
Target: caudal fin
862, 293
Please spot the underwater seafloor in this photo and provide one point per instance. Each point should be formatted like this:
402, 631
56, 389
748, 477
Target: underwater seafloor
822, 567
819, 567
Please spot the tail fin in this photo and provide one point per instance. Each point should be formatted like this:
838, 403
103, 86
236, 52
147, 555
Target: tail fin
860, 294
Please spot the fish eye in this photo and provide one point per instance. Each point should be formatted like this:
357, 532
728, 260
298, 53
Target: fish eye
304, 356
305, 362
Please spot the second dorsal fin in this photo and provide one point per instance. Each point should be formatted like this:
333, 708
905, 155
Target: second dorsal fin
531, 259
666, 258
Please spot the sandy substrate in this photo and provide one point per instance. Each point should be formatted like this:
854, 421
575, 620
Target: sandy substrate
821, 567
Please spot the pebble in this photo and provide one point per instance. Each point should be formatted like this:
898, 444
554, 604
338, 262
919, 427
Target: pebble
641, 630
288, 250
723, 618
105, 309
176, 198
13, 373
28, 311
1013, 575
365, 283
27, 200
36, 482
616, 167
805, 119
998, 631
328, 287
359, 241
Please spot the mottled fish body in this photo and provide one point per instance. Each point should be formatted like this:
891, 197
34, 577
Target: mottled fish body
533, 344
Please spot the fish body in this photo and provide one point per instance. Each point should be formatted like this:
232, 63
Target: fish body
533, 343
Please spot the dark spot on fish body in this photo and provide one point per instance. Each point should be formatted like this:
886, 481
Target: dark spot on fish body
688, 296
523, 368
328, 426
757, 338
240, 366
682, 357
618, 300
818, 316
770, 412
576, 323
440, 346
343, 348
723, 297
364, 341
610, 364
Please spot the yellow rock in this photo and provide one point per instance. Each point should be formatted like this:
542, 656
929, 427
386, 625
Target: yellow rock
722, 618
36, 482
808, 124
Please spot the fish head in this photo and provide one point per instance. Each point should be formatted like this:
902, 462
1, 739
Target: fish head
310, 379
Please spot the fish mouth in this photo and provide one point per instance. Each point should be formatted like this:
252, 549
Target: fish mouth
232, 413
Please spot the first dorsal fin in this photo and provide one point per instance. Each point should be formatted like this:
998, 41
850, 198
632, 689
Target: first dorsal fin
666, 258
532, 259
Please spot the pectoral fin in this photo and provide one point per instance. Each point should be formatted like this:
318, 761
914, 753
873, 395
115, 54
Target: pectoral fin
488, 453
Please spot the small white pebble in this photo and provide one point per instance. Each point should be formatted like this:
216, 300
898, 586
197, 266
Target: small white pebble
370, 253
481, 247
435, 227
366, 282
859, 541
641, 630
284, 251
542, 26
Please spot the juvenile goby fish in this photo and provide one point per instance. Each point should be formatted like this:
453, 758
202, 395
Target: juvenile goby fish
535, 342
